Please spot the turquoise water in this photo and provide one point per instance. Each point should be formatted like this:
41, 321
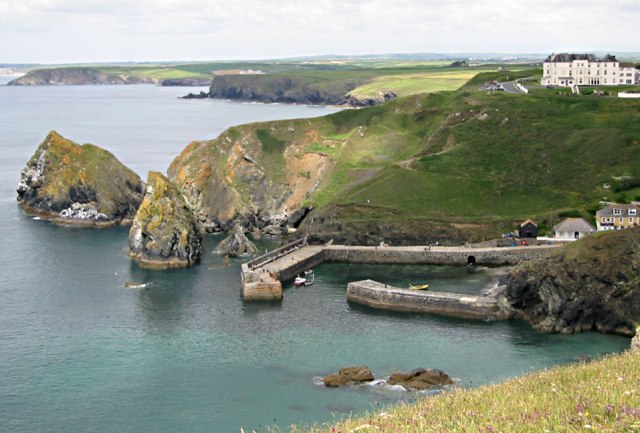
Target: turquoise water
79, 352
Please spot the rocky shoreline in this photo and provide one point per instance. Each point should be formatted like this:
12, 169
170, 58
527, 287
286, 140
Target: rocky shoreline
589, 285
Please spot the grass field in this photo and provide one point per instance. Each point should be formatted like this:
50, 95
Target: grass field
411, 84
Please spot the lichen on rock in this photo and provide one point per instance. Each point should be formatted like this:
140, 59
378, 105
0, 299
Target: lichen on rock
164, 233
81, 185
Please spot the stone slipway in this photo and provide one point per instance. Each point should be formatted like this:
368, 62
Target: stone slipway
382, 296
263, 276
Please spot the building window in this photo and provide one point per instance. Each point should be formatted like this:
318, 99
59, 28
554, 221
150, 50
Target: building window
617, 211
621, 219
632, 211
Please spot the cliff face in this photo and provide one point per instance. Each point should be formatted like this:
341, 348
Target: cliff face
74, 184
591, 284
164, 232
251, 176
76, 76
281, 89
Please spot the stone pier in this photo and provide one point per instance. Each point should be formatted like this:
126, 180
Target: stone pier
382, 296
263, 276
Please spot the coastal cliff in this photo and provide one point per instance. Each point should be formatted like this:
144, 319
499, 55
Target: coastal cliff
79, 185
77, 76
164, 233
592, 284
293, 89
251, 176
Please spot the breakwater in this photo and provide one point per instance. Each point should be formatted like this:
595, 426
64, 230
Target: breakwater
262, 277
382, 296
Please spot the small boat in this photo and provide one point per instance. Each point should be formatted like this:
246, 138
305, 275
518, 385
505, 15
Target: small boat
305, 280
419, 286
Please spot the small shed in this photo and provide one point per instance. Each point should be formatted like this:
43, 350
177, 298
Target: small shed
572, 229
528, 229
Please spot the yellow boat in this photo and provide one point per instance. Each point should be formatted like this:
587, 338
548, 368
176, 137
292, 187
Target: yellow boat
419, 286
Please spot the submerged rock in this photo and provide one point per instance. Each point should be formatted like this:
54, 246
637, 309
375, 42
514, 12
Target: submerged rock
164, 233
420, 379
349, 376
237, 244
81, 185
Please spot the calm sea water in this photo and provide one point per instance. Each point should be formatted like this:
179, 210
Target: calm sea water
79, 352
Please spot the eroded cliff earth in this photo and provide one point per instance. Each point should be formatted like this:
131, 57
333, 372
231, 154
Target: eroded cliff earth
164, 233
593, 284
253, 177
81, 185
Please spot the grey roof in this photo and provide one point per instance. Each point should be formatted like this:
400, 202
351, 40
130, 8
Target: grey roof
573, 225
566, 57
608, 211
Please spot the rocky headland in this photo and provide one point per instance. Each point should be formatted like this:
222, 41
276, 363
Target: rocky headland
187, 82
78, 185
77, 76
592, 284
293, 89
164, 233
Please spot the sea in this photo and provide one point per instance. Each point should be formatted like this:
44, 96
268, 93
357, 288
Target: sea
91, 342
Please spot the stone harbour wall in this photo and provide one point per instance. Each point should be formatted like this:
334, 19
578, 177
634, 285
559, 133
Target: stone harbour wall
435, 256
378, 295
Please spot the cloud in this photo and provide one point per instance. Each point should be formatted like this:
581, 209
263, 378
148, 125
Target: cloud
214, 29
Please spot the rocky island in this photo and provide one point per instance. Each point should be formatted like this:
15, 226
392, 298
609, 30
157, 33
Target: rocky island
78, 185
164, 233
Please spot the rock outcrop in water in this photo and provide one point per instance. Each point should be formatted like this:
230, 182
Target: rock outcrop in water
81, 185
420, 379
237, 244
593, 284
349, 376
164, 233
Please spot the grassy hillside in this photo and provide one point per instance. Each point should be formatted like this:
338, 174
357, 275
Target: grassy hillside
469, 159
473, 156
601, 396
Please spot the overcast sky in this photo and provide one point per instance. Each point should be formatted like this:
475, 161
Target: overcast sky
54, 31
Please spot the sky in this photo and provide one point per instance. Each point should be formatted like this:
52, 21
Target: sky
67, 31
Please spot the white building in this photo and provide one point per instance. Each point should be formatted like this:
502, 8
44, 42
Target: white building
568, 70
571, 229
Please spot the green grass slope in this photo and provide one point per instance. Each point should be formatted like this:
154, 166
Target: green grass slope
474, 156
463, 159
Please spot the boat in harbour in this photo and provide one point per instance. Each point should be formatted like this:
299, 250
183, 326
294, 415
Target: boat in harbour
418, 287
304, 280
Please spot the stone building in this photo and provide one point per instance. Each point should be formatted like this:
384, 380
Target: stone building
618, 217
568, 70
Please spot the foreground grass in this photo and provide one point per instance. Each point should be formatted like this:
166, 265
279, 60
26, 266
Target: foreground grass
601, 396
